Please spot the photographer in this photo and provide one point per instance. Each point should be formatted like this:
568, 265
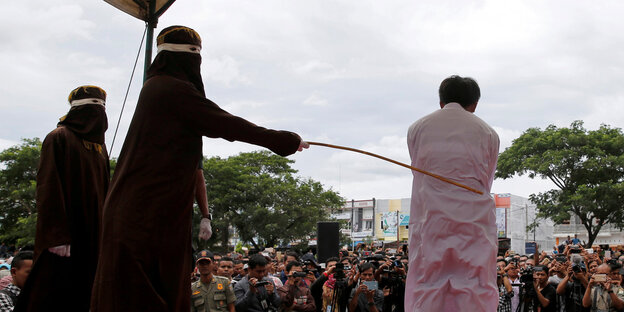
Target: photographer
604, 293
366, 296
572, 288
255, 292
294, 294
505, 292
513, 274
333, 287
317, 287
544, 296
391, 276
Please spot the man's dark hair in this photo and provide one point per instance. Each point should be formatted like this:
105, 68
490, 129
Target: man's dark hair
330, 259
292, 264
226, 259
292, 254
256, 260
20, 257
367, 266
502, 260
235, 262
543, 268
462, 90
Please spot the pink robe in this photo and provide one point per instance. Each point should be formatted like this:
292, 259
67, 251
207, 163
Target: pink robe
452, 242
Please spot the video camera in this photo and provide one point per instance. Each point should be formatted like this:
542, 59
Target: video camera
300, 274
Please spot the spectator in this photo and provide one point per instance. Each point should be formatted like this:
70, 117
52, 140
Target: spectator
316, 289
512, 270
255, 292
365, 298
603, 293
20, 269
575, 240
211, 293
568, 241
294, 294
391, 276
226, 268
545, 299
290, 256
505, 292
238, 270
270, 271
572, 288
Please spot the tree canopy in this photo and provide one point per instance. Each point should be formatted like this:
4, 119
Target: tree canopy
257, 194
18, 175
587, 166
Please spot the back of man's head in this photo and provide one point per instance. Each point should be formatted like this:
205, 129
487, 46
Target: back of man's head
256, 260
462, 90
20, 267
18, 260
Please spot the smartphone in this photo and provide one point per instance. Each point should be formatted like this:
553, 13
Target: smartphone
372, 285
600, 277
589, 251
607, 254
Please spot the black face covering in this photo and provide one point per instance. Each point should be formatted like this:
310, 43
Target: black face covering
88, 122
182, 65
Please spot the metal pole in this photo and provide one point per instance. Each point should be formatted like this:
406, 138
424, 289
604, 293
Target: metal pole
151, 24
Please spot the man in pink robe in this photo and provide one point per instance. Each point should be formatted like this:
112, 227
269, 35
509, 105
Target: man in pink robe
452, 242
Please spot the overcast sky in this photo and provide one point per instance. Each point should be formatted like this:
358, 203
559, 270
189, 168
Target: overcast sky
353, 73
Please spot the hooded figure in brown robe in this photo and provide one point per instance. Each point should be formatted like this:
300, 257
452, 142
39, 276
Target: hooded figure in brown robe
145, 257
72, 181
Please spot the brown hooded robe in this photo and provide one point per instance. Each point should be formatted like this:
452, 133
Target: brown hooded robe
145, 259
72, 181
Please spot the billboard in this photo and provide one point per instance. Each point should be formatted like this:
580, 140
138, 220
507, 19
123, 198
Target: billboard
389, 223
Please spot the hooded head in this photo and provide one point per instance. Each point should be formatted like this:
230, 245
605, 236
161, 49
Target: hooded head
87, 115
178, 55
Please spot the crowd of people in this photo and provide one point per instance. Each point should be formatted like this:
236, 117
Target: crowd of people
276, 281
569, 279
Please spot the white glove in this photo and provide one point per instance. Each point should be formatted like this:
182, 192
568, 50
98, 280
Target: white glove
205, 229
63, 250
303, 144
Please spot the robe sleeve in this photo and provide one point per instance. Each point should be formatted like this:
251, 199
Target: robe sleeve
493, 159
208, 119
52, 225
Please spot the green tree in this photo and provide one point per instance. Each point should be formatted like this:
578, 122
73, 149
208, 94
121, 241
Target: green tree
257, 194
586, 166
17, 190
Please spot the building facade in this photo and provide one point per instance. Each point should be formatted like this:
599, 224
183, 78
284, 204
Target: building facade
387, 220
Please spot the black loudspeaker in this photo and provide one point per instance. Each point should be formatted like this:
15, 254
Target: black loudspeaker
328, 240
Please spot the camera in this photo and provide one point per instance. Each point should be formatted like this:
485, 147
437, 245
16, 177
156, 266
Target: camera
261, 283
299, 274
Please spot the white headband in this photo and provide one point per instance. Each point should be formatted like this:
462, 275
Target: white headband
87, 101
178, 47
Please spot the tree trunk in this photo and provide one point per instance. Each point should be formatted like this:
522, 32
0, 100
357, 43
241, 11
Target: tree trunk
591, 235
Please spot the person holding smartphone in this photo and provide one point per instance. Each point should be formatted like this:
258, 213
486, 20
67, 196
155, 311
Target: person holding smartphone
366, 296
603, 293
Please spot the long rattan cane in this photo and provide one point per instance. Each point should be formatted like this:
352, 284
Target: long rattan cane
398, 163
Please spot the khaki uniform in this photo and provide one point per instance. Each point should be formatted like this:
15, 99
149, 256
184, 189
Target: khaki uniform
212, 297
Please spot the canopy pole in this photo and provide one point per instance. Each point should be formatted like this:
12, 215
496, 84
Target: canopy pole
151, 25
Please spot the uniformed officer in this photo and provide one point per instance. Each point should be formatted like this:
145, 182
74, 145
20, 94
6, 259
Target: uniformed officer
211, 293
